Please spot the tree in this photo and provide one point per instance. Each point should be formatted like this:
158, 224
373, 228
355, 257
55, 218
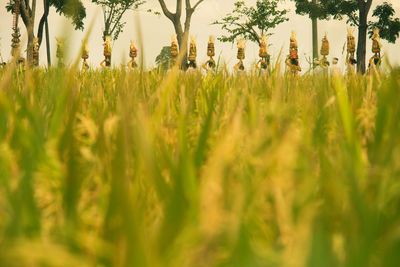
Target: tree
163, 59
113, 10
181, 32
389, 27
72, 9
27, 11
251, 22
357, 12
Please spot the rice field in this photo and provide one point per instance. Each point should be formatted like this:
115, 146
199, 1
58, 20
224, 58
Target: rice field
133, 168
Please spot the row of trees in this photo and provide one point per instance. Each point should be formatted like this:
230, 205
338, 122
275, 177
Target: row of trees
356, 13
249, 22
113, 11
72, 9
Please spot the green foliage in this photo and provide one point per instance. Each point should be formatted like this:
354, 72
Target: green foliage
251, 22
384, 13
72, 9
164, 58
134, 168
113, 10
388, 25
311, 9
356, 12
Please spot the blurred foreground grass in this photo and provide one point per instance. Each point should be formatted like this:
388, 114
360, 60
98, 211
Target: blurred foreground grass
116, 168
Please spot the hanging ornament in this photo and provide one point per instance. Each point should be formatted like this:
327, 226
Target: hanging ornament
174, 49
210, 64
264, 62
107, 52
240, 55
375, 60
85, 55
132, 54
351, 47
60, 51
324, 52
292, 60
192, 53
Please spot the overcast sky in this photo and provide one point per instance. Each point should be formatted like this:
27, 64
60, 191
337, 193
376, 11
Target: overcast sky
157, 30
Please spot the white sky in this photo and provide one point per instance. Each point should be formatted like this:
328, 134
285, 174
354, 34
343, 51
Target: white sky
157, 32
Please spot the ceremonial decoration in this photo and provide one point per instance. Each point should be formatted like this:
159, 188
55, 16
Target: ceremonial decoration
263, 63
292, 60
192, 53
240, 55
107, 52
174, 49
375, 60
85, 56
2, 63
15, 41
60, 51
132, 54
210, 64
15, 49
351, 47
35, 52
324, 52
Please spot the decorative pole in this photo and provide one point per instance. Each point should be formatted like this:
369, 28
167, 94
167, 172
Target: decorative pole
174, 50
240, 55
375, 60
35, 52
292, 59
2, 63
192, 53
15, 42
85, 56
132, 54
107, 52
210, 64
324, 52
351, 47
60, 52
263, 63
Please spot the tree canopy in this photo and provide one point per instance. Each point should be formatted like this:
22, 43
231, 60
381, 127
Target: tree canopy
389, 27
251, 22
72, 9
313, 9
356, 12
113, 10
163, 59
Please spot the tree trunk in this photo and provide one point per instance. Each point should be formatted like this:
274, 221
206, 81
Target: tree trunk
364, 8
183, 46
189, 13
29, 47
179, 36
28, 17
362, 41
182, 37
175, 18
48, 43
43, 20
314, 36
